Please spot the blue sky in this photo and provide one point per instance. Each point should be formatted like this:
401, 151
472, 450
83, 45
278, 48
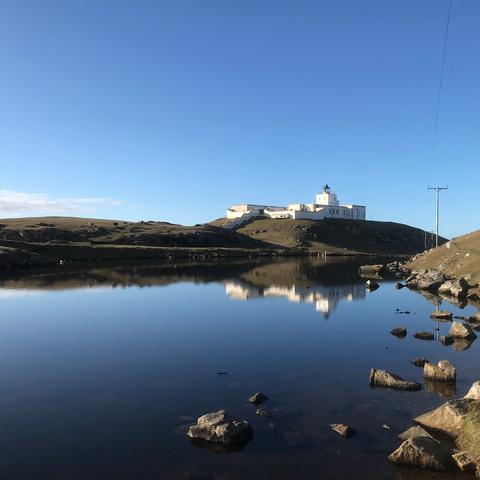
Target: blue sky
175, 110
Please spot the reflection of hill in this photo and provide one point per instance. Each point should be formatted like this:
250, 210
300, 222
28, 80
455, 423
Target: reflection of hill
324, 297
316, 280
141, 275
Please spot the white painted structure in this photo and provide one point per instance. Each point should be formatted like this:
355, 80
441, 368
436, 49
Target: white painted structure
326, 206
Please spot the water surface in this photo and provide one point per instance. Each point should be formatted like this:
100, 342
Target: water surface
102, 369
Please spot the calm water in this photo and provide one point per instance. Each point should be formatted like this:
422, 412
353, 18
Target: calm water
100, 370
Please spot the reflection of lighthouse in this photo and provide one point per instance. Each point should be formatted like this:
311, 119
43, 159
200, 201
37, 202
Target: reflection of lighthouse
324, 297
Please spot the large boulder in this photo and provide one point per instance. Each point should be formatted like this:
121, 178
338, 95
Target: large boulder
382, 378
456, 288
461, 330
422, 452
218, 427
443, 371
448, 417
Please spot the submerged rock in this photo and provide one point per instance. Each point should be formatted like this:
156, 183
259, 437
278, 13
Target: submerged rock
461, 330
218, 427
448, 417
443, 371
263, 412
424, 335
419, 362
441, 315
258, 398
422, 452
344, 430
399, 332
382, 378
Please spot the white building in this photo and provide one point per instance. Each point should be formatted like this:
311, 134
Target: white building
326, 206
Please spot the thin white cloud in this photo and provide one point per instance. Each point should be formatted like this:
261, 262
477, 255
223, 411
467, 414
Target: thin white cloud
22, 202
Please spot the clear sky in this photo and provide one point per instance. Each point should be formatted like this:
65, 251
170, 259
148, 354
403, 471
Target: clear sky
174, 110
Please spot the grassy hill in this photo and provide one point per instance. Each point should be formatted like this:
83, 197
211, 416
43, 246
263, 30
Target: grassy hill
337, 236
460, 256
102, 232
26, 242
42, 240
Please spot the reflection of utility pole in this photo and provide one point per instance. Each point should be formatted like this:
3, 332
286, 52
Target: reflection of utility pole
437, 190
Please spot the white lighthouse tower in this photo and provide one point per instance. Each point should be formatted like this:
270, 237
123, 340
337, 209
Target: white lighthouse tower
326, 197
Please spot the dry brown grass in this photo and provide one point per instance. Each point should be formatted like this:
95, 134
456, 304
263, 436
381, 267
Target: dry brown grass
460, 256
469, 438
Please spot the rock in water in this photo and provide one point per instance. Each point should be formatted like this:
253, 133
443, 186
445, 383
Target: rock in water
413, 432
218, 427
474, 392
371, 270
448, 417
399, 332
382, 378
422, 452
344, 430
419, 362
399, 285
262, 412
258, 398
441, 315
461, 330
424, 335
443, 371
464, 463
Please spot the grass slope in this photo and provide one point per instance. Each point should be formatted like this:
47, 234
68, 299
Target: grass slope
71, 230
337, 236
460, 256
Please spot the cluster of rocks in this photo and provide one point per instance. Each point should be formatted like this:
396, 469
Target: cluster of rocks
431, 280
428, 445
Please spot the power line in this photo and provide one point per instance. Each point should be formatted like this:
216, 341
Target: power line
437, 210
440, 86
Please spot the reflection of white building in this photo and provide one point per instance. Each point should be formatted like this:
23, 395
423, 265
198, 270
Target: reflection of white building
324, 297
326, 206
